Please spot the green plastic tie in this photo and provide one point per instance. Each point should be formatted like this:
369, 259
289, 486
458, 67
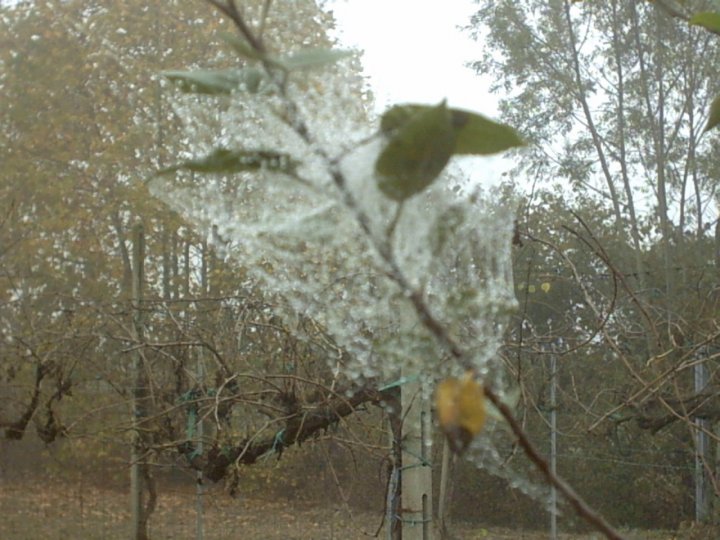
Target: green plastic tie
422, 462
399, 382
279, 440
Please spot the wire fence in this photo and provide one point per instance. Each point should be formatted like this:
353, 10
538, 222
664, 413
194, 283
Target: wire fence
288, 499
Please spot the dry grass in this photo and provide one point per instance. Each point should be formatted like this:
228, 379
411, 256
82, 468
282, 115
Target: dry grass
64, 510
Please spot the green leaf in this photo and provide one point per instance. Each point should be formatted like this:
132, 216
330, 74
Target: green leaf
416, 153
398, 115
475, 134
708, 20
714, 117
205, 82
216, 82
311, 58
222, 160
481, 136
304, 59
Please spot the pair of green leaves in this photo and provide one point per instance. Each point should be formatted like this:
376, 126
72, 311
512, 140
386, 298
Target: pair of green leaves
422, 139
226, 81
250, 79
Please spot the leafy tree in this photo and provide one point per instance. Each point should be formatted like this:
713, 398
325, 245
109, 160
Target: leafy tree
85, 117
615, 96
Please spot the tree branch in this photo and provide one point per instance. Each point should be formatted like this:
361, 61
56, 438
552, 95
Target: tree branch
298, 428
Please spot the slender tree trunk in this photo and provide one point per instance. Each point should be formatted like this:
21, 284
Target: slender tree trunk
186, 268
445, 495
618, 31
175, 266
597, 140
656, 120
142, 491
694, 127
126, 284
166, 277
394, 493
630, 199
661, 168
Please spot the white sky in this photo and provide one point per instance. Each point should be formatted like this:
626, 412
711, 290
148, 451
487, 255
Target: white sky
415, 51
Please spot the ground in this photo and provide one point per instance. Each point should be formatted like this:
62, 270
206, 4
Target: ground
61, 511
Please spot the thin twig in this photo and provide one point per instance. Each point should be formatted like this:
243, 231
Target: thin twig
231, 11
263, 18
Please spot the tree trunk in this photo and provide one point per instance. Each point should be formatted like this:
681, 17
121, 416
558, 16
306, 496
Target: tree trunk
142, 489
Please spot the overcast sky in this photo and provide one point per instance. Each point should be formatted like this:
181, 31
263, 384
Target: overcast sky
415, 51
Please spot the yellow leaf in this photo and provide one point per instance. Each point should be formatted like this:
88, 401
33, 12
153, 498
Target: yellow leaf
460, 406
545, 287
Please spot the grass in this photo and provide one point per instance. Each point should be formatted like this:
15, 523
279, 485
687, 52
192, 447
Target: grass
58, 511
